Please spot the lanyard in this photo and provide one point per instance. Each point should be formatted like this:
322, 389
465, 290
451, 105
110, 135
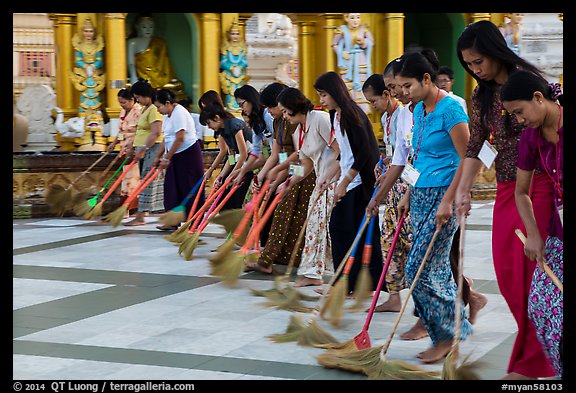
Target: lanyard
301, 135
557, 184
423, 123
389, 118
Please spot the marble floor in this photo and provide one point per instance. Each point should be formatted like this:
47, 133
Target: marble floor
92, 302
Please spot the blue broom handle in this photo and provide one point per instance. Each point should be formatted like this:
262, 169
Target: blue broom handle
363, 220
192, 192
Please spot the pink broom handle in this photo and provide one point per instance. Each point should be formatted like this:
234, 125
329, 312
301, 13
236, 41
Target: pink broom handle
212, 207
384, 270
252, 208
261, 223
213, 195
213, 211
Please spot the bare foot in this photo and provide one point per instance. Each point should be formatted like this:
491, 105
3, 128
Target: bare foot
308, 282
516, 376
416, 332
134, 222
393, 304
436, 353
477, 302
254, 266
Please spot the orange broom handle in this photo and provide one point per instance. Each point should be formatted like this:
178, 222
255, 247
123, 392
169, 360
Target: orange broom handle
261, 222
251, 209
150, 176
212, 199
118, 181
201, 189
262, 196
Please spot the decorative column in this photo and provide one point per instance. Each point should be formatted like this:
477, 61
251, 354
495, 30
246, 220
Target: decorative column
66, 99
331, 22
306, 56
115, 38
393, 37
210, 40
471, 82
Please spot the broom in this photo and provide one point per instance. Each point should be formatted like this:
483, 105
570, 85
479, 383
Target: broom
96, 210
58, 197
372, 361
362, 340
547, 269
229, 270
193, 240
363, 289
179, 234
82, 206
176, 215
312, 334
196, 219
450, 370
287, 290
115, 217
226, 248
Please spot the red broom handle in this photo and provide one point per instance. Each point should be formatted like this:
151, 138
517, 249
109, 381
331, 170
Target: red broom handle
118, 181
201, 189
261, 223
203, 219
212, 214
384, 270
211, 198
250, 211
150, 176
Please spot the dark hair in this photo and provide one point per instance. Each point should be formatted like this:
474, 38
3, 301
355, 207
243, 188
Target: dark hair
250, 94
295, 101
164, 95
486, 39
142, 88
211, 111
331, 83
269, 94
445, 70
209, 97
416, 64
126, 94
376, 83
522, 85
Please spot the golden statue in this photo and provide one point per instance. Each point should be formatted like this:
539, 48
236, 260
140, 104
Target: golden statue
87, 75
233, 64
148, 59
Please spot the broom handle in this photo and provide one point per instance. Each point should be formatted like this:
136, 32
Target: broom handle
261, 223
212, 207
87, 170
367, 254
150, 176
110, 166
250, 211
212, 213
214, 193
457, 317
547, 269
383, 275
118, 181
192, 191
387, 345
197, 199
112, 177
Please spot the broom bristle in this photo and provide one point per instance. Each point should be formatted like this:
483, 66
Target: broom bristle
230, 268
223, 251
466, 371
81, 209
397, 369
313, 335
363, 289
94, 211
230, 218
178, 236
116, 217
335, 302
290, 302
188, 243
173, 218
58, 199
293, 331
54, 193
356, 361
344, 347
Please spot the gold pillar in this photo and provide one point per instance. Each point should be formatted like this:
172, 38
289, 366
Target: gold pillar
393, 37
306, 58
66, 97
331, 22
497, 18
116, 68
210, 52
470, 81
